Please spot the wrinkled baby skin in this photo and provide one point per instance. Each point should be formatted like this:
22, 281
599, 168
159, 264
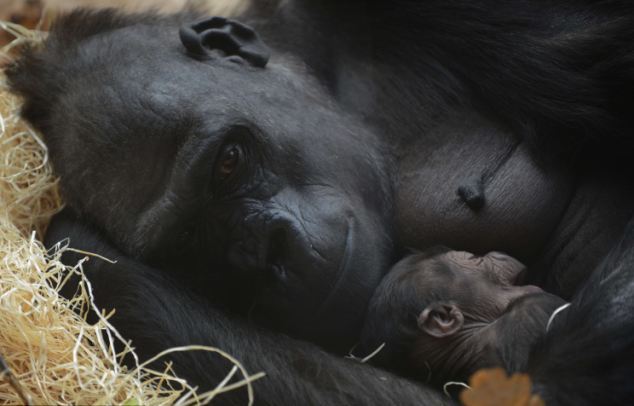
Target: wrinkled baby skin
444, 314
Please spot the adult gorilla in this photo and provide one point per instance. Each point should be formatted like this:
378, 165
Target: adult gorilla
286, 190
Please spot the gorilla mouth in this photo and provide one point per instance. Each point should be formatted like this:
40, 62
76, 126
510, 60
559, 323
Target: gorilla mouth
343, 266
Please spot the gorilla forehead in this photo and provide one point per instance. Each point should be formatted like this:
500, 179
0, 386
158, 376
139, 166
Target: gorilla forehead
141, 79
136, 85
149, 65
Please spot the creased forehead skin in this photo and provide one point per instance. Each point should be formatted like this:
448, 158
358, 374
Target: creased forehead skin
148, 64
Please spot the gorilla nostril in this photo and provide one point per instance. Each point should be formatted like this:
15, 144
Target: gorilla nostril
277, 242
277, 272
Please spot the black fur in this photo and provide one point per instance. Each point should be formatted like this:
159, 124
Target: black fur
365, 123
587, 356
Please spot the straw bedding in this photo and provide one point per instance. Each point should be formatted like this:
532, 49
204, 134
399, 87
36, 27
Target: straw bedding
49, 353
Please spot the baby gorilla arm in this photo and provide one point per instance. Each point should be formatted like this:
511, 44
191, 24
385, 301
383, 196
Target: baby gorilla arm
156, 314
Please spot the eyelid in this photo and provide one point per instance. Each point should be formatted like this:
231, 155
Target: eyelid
223, 157
217, 180
242, 138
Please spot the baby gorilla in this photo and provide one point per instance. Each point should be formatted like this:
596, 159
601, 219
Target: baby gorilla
444, 314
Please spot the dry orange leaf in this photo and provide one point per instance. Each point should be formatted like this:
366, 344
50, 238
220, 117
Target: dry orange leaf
492, 387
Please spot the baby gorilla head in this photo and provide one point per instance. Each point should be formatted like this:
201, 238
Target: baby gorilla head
444, 314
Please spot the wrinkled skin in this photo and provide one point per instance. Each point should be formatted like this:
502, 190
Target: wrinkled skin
445, 314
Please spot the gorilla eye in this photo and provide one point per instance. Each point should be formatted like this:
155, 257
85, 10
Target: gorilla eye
228, 161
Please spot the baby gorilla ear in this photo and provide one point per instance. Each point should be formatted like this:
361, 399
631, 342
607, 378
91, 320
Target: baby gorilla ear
440, 319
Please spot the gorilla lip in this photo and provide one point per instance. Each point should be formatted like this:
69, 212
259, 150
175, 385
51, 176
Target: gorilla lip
341, 271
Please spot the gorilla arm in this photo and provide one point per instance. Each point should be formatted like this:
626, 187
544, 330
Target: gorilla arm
550, 70
156, 314
587, 356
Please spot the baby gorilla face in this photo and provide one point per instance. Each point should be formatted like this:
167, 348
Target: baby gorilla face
440, 310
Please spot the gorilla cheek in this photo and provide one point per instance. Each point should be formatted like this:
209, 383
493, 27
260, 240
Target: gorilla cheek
340, 316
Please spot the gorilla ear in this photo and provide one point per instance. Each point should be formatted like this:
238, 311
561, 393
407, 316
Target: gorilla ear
440, 319
236, 40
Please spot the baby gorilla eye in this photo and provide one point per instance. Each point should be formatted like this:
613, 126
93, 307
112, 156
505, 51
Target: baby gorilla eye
228, 161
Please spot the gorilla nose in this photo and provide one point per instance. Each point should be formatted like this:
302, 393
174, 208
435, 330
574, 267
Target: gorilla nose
262, 250
276, 247
276, 244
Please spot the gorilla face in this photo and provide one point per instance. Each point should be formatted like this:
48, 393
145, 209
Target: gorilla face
244, 173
